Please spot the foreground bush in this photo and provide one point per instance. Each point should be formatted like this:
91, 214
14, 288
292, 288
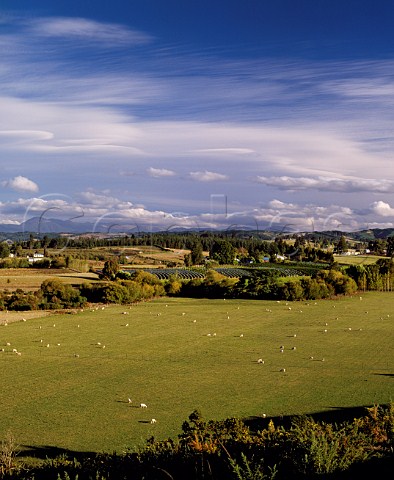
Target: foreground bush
228, 449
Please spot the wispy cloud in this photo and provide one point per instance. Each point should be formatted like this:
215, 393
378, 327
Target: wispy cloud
87, 30
328, 184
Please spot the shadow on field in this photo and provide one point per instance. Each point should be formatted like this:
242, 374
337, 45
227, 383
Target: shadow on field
332, 415
48, 451
385, 374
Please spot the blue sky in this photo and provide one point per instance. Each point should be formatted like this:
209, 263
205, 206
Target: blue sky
200, 114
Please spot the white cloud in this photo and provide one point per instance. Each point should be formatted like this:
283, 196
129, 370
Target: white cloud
207, 176
160, 172
21, 184
382, 209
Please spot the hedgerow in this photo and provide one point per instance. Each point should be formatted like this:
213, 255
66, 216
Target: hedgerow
229, 449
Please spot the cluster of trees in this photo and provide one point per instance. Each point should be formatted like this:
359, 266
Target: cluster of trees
378, 276
56, 295
265, 284
125, 288
52, 295
302, 448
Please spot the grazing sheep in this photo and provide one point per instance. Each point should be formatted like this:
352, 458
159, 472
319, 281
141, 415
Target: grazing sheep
281, 350
214, 334
23, 319
125, 313
282, 370
294, 335
14, 350
143, 405
153, 420
19, 354
76, 355
294, 348
264, 415
54, 325
129, 400
282, 347
310, 358
241, 336
8, 344
325, 330
260, 360
127, 325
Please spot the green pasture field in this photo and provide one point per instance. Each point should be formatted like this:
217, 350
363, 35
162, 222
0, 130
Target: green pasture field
357, 259
30, 279
74, 393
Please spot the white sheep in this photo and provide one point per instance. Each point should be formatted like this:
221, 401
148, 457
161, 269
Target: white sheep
129, 400
143, 405
282, 370
153, 420
260, 360
294, 348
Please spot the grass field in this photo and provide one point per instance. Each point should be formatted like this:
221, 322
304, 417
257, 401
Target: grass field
165, 358
30, 279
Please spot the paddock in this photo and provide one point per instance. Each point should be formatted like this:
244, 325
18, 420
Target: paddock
74, 394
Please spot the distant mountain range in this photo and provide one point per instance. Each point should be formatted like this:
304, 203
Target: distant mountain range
40, 226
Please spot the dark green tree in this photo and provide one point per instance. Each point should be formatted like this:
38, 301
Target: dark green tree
4, 250
110, 269
390, 247
342, 245
223, 252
